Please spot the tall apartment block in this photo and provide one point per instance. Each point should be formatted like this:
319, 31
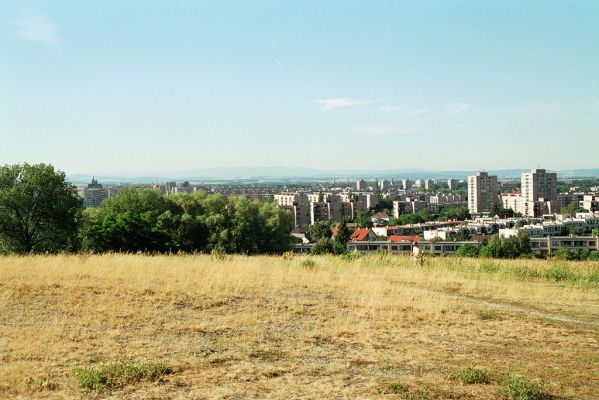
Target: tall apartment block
482, 193
539, 185
452, 184
361, 185
539, 193
93, 195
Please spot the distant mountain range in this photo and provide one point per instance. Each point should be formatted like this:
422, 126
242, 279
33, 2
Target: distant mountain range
285, 174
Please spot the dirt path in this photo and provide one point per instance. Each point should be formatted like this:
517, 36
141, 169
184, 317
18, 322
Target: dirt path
510, 307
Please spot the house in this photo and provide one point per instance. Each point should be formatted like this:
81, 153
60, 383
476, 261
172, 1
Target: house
363, 235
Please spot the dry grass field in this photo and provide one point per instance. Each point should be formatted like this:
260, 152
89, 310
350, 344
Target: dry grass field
295, 327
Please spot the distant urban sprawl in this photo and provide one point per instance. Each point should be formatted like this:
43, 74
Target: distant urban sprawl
394, 215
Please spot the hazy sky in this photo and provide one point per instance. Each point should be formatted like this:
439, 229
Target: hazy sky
147, 86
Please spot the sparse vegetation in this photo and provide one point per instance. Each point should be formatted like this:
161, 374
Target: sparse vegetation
471, 375
518, 387
364, 326
119, 374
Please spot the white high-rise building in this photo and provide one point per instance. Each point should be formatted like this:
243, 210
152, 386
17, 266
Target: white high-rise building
452, 184
538, 185
482, 193
361, 185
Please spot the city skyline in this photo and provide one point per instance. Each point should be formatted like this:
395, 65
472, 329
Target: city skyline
149, 86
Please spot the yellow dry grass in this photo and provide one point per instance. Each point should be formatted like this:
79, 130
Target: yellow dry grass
270, 327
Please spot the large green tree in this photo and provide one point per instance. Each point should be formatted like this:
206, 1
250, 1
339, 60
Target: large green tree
146, 220
132, 220
39, 209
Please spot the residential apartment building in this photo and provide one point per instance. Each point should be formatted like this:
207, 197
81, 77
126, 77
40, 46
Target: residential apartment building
538, 195
482, 193
452, 184
361, 185
93, 194
539, 185
299, 206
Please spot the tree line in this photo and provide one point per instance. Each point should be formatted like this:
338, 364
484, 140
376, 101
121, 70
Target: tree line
41, 212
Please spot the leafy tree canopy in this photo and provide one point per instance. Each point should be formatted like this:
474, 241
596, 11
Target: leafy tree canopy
39, 209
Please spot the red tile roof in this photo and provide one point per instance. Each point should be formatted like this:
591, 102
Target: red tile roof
398, 238
360, 234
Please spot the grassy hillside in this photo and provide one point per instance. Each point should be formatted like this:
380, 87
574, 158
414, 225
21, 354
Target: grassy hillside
133, 326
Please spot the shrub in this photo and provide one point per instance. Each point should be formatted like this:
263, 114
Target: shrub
395, 388
471, 375
558, 274
219, 254
565, 254
518, 387
594, 256
467, 250
488, 267
488, 314
354, 255
119, 374
593, 277
524, 273
308, 263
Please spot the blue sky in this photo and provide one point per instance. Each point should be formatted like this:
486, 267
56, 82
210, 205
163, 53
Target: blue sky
153, 86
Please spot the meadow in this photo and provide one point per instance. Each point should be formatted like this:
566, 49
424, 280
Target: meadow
118, 326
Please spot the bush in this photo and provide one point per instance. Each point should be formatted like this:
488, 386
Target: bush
524, 273
558, 274
565, 254
593, 256
467, 250
488, 267
308, 263
119, 374
518, 387
395, 388
471, 375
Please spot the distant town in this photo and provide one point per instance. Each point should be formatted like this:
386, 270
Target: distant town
442, 215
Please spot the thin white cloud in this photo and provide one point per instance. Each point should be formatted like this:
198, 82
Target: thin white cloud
456, 108
331, 104
415, 113
36, 27
383, 130
391, 109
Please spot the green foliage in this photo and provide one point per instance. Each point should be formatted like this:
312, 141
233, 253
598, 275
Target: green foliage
565, 254
364, 219
488, 267
467, 250
328, 246
148, 221
119, 374
39, 210
518, 387
320, 230
569, 210
471, 375
308, 263
343, 233
459, 213
395, 388
558, 274
512, 247
383, 203
503, 212
488, 315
